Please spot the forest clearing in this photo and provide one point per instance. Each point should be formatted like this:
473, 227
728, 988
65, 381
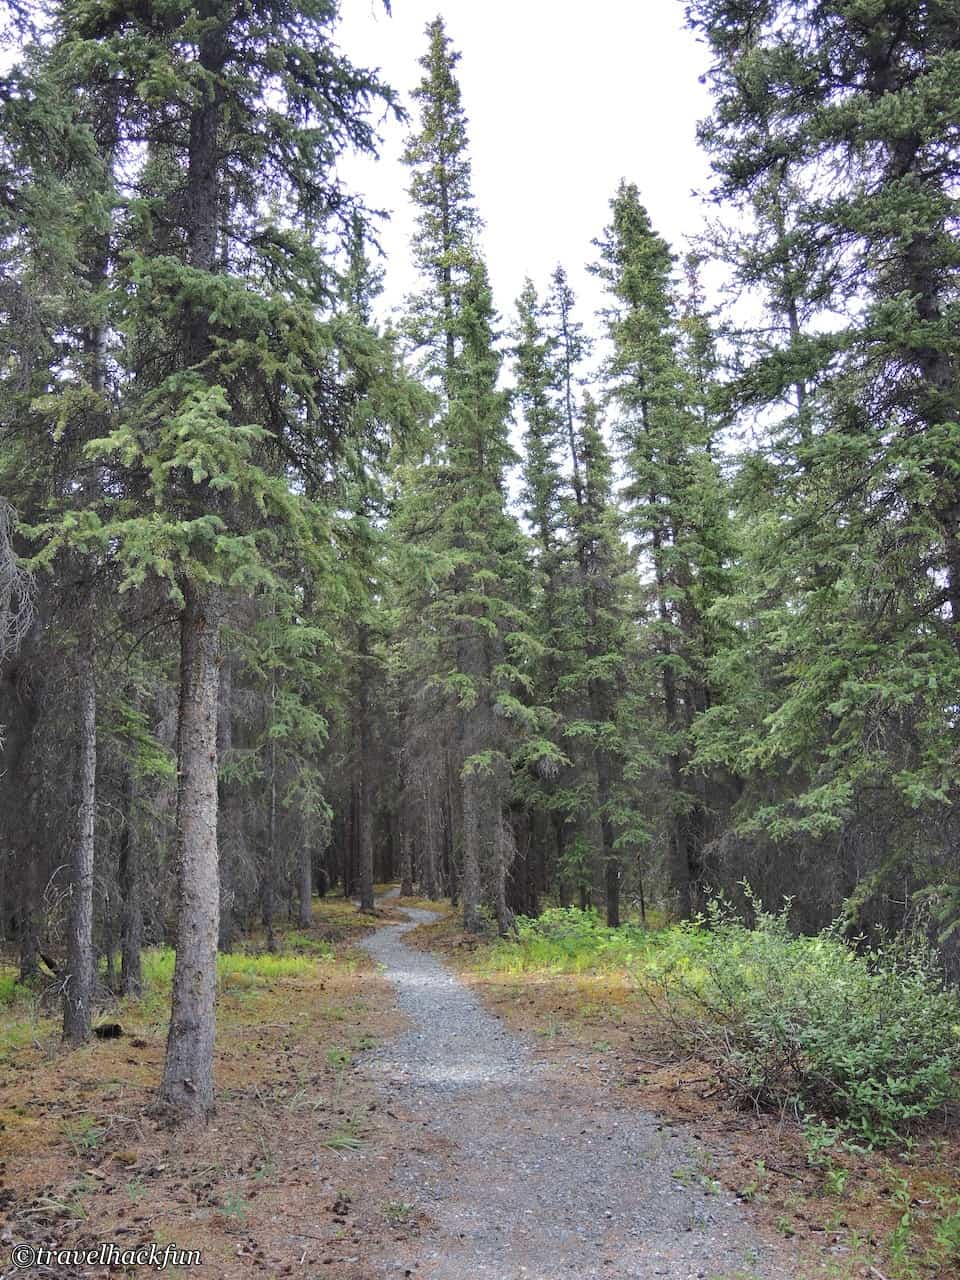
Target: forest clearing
408, 480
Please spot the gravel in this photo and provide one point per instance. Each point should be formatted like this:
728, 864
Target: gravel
527, 1174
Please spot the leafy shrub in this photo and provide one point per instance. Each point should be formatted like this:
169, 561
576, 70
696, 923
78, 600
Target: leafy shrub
568, 940
871, 1042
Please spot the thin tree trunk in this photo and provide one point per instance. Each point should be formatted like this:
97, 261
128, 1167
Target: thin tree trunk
428, 851
406, 863
269, 869
470, 880
187, 1089
364, 772
79, 975
27, 898
305, 885
131, 922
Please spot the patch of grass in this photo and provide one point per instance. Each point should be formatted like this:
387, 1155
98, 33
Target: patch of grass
235, 967
298, 940
567, 940
234, 1206
83, 1134
12, 991
344, 1141
399, 1211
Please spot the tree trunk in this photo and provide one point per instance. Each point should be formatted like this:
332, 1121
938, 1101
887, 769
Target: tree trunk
612, 885
429, 848
268, 867
131, 920
227, 819
187, 1089
470, 880
27, 898
305, 885
79, 976
406, 863
364, 773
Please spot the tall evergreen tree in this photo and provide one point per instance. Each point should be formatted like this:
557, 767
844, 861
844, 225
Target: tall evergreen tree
583, 604
237, 386
674, 508
833, 122
469, 549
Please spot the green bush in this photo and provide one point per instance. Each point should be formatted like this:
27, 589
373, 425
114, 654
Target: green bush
871, 1042
10, 989
568, 940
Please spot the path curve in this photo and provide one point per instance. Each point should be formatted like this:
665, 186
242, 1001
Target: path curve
526, 1174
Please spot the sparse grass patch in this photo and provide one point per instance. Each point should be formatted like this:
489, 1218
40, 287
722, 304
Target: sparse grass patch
11, 990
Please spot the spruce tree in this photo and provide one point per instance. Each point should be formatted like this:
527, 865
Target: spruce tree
581, 613
674, 507
468, 555
832, 131
231, 373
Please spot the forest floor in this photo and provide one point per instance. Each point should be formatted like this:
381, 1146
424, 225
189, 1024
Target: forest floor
355, 1140
878, 1215
290, 1177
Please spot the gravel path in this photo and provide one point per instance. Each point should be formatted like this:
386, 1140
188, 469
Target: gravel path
526, 1174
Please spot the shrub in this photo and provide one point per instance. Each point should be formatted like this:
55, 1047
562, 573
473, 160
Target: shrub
568, 940
870, 1042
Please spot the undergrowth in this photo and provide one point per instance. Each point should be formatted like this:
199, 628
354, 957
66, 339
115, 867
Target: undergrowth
867, 1042
568, 940
234, 967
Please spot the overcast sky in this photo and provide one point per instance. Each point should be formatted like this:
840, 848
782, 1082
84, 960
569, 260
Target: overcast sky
563, 101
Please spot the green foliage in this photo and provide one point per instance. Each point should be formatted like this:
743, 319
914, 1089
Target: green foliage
567, 940
870, 1042
233, 967
833, 145
12, 991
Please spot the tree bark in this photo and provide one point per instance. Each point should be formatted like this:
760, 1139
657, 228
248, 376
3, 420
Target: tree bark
227, 820
79, 975
406, 863
268, 868
187, 1089
131, 922
27, 896
470, 880
364, 772
305, 886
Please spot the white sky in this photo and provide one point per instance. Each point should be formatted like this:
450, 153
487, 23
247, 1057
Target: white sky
563, 101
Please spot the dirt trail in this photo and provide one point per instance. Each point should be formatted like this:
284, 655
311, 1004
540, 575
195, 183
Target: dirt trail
527, 1174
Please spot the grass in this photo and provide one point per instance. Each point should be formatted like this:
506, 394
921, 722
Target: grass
234, 968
